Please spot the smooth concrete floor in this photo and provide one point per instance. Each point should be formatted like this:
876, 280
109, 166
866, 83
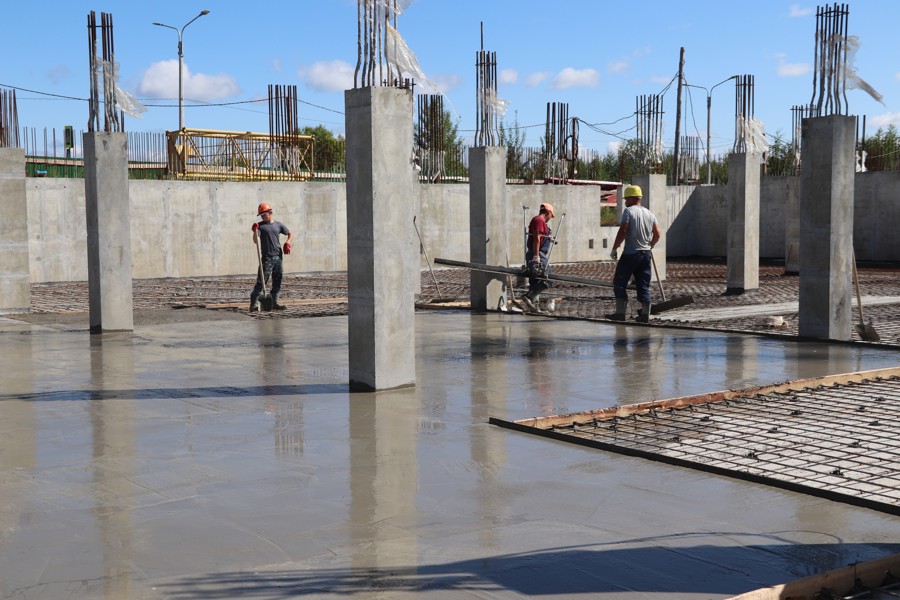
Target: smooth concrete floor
227, 459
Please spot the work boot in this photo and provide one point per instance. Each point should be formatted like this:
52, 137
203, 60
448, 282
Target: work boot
275, 304
529, 303
644, 313
254, 304
621, 310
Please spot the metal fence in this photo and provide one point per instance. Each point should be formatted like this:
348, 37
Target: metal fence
52, 153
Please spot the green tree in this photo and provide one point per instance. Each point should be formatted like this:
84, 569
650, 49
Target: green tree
883, 150
446, 133
329, 150
512, 136
780, 157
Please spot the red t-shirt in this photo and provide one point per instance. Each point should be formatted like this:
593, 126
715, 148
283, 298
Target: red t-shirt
537, 227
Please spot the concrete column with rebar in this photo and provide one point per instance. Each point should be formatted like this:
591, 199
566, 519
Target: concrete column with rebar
382, 257
654, 189
826, 232
488, 225
742, 196
15, 277
108, 214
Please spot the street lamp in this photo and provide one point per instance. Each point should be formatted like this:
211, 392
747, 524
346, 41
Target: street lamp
181, 65
708, 117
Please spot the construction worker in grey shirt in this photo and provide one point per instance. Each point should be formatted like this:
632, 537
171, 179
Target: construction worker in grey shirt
639, 230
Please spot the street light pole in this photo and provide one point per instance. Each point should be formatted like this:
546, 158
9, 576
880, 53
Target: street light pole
181, 65
708, 117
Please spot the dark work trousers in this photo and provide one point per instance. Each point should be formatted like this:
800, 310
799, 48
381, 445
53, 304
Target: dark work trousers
535, 285
637, 264
272, 269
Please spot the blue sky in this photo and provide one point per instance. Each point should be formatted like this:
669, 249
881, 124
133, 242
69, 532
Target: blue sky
596, 55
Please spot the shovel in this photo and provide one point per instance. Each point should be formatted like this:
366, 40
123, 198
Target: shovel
866, 332
265, 298
666, 304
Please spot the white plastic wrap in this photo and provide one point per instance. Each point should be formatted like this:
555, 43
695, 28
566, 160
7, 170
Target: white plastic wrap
753, 133
854, 81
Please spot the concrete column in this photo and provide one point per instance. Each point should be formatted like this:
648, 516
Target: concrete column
792, 227
826, 232
742, 197
382, 248
654, 189
15, 278
488, 225
108, 211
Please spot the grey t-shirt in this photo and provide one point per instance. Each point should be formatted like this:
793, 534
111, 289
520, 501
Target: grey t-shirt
270, 243
640, 228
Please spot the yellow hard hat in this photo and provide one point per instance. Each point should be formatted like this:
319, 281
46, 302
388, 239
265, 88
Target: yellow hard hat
632, 191
548, 207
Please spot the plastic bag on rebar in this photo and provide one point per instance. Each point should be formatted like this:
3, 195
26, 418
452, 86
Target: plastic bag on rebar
854, 81
124, 101
753, 134
404, 59
500, 106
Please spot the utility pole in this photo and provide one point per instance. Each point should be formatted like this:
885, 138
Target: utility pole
678, 119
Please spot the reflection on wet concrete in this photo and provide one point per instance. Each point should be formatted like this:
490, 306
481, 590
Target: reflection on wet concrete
113, 461
218, 460
383, 480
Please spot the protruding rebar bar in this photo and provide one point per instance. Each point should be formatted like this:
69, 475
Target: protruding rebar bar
649, 130
105, 67
830, 61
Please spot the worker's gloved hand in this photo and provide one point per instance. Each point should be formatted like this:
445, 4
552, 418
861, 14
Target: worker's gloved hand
254, 227
287, 247
537, 268
614, 254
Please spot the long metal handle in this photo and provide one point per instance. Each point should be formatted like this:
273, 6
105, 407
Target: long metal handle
662, 292
562, 218
856, 285
427, 262
262, 272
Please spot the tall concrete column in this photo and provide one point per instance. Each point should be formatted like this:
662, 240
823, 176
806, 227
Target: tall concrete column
108, 211
488, 225
15, 278
742, 196
382, 254
792, 227
826, 232
654, 189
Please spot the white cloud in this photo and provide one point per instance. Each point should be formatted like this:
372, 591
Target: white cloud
660, 79
445, 83
328, 76
276, 65
536, 78
160, 80
798, 11
619, 66
786, 69
509, 76
613, 147
882, 121
573, 78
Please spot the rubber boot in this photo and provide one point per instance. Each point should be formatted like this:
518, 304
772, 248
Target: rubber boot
275, 304
254, 304
621, 310
531, 302
644, 314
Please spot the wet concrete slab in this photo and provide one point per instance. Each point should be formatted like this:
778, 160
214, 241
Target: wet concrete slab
221, 459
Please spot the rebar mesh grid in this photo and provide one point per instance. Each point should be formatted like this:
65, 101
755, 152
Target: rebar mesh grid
831, 437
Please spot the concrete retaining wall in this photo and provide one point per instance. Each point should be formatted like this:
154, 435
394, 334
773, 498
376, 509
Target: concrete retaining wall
202, 229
